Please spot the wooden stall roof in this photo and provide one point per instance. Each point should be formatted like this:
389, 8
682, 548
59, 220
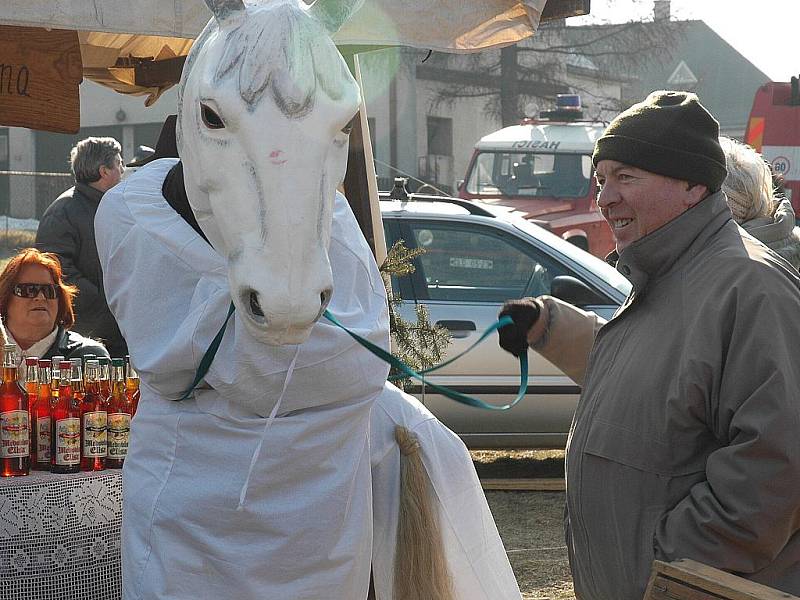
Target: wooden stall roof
138, 46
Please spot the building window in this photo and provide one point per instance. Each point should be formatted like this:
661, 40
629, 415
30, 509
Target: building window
440, 136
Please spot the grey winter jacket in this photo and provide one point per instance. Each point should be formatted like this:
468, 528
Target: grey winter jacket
778, 232
67, 228
684, 443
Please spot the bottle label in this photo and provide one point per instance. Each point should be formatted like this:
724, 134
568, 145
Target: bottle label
43, 439
14, 434
94, 434
68, 441
119, 429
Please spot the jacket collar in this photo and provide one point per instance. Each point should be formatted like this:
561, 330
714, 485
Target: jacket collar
91, 193
655, 254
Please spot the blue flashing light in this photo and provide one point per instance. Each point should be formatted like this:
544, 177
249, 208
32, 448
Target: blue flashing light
568, 101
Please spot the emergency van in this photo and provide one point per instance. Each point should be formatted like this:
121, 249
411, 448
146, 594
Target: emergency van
774, 131
542, 169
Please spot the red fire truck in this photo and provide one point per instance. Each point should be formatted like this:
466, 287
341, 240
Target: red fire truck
774, 130
542, 169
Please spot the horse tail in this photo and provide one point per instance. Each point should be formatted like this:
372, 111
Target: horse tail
420, 567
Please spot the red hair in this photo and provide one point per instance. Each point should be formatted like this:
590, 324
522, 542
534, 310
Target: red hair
31, 256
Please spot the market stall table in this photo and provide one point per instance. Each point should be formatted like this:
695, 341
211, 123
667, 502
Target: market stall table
60, 536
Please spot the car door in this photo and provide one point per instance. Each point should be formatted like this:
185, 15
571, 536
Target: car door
466, 273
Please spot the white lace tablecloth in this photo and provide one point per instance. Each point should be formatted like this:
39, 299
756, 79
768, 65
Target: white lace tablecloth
60, 536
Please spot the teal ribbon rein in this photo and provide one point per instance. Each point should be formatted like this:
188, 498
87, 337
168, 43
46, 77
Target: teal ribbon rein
444, 390
208, 357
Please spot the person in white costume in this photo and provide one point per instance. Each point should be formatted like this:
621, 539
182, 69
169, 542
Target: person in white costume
196, 521
221, 499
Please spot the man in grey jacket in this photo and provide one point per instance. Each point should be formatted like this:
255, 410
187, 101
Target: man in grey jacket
67, 228
684, 443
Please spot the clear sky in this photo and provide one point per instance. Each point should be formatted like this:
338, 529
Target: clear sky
764, 31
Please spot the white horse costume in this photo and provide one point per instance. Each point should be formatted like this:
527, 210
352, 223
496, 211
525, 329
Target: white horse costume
198, 523
259, 484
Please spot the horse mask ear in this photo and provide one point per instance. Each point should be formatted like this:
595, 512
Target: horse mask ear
333, 13
224, 9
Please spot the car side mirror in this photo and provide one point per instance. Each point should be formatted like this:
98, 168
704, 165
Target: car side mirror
460, 185
575, 292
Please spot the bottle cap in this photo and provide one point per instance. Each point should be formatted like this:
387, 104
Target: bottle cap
44, 363
117, 362
64, 365
31, 361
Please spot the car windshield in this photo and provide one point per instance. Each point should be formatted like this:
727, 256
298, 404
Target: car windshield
530, 174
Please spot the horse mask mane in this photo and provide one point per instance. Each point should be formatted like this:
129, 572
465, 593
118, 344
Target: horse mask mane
264, 104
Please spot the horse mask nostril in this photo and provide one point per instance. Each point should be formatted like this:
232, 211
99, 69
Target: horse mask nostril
255, 307
325, 296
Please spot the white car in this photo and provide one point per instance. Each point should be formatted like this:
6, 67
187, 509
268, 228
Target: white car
476, 258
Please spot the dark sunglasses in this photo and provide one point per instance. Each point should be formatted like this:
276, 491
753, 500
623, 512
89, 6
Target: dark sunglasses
32, 290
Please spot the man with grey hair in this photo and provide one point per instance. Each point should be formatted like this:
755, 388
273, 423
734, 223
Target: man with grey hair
67, 228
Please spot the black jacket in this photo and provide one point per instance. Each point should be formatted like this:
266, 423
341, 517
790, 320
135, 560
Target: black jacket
72, 345
67, 228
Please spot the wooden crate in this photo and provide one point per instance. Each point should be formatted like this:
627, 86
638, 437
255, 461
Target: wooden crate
689, 580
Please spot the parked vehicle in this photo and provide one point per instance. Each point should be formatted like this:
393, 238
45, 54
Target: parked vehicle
477, 257
542, 168
774, 131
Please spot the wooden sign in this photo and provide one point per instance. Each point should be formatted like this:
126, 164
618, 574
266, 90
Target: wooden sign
690, 580
40, 72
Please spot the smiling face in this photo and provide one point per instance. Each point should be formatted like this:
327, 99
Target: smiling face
31, 319
636, 202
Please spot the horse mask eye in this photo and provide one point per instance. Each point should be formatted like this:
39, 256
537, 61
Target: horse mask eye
210, 118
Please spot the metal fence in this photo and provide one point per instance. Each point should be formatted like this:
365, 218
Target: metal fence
27, 194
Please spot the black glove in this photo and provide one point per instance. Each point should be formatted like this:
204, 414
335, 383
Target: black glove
524, 312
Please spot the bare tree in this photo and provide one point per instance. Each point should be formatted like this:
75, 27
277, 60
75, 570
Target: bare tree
559, 59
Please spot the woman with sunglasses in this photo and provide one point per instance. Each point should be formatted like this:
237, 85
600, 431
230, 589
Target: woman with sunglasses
36, 308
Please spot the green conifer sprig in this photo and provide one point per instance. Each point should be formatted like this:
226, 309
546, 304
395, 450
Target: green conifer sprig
420, 344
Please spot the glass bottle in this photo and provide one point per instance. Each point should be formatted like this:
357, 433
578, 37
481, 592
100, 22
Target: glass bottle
30, 375
40, 419
76, 379
131, 385
119, 417
55, 378
94, 421
65, 447
15, 440
105, 377
86, 358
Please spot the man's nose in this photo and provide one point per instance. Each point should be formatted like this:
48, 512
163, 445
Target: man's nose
605, 196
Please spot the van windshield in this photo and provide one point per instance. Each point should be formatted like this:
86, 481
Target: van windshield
530, 174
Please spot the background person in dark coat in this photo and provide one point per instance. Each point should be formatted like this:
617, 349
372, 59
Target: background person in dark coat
67, 229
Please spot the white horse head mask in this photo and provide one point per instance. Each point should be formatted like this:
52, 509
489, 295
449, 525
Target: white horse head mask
264, 108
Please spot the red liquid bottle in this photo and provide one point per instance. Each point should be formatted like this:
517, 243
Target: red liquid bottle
15, 437
131, 385
55, 378
40, 419
105, 377
65, 447
31, 375
94, 421
119, 417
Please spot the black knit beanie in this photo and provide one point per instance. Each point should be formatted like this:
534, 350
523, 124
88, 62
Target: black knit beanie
669, 133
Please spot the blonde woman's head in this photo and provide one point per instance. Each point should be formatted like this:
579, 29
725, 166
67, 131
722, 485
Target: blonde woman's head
748, 185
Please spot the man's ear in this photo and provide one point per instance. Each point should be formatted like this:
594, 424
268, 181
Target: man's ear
696, 192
